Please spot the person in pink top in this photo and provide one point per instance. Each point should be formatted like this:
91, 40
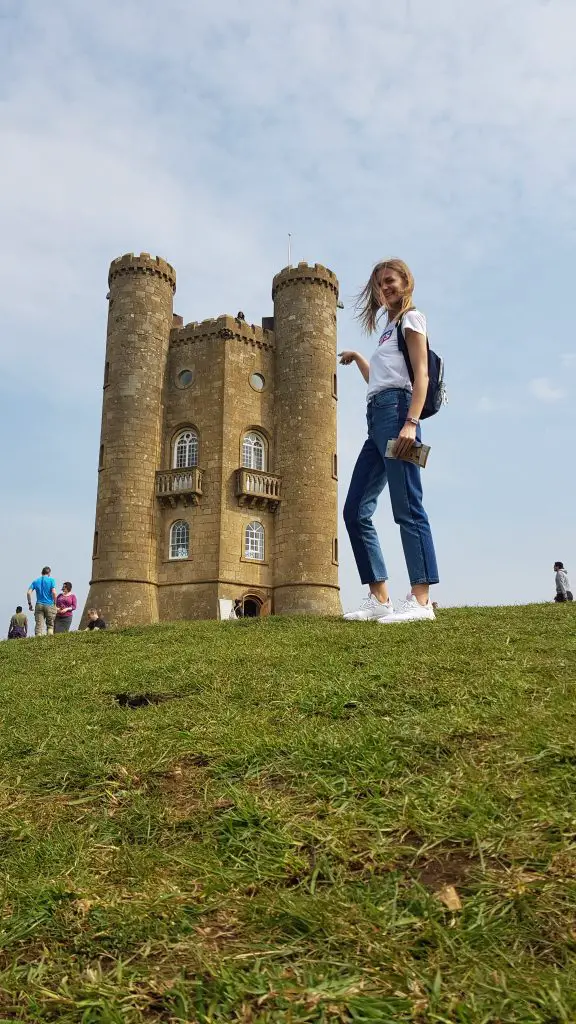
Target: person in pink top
65, 608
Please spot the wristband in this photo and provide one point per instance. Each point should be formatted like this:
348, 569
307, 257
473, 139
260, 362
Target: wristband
411, 419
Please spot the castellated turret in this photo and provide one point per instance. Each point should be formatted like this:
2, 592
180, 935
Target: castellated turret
218, 465
124, 581
305, 563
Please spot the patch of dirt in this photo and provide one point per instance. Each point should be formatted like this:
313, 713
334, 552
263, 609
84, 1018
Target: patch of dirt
219, 929
563, 865
20, 954
447, 864
184, 788
444, 868
142, 700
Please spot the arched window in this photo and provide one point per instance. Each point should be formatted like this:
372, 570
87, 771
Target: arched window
254, 542
186, 449
253, 451
179, 539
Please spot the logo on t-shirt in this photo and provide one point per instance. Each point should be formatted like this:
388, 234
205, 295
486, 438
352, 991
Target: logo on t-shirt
386, 336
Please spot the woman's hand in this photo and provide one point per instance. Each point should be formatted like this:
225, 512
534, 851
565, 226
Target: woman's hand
354, 357
406, 440
347, 357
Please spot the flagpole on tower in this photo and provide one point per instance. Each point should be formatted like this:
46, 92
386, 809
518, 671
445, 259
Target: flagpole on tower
289, 249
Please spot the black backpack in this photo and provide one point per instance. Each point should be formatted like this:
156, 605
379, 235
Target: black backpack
436, 394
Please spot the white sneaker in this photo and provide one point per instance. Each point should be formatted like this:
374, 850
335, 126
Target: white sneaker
411, 611
371, 610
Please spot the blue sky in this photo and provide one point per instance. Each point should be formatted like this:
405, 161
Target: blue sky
443, 133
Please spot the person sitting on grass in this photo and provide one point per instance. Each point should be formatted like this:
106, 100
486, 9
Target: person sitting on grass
95, 620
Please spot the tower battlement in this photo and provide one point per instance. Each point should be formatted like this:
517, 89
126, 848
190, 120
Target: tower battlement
305, 272
222, 327
142, 264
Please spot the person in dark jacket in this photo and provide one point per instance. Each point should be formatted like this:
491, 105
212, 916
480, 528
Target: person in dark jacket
95, 620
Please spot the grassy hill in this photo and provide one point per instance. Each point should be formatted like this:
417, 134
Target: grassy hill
307, 821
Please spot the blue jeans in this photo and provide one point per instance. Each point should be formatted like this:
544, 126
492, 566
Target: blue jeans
386, 415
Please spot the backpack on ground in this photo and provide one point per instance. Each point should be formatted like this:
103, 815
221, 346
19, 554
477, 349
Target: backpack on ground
436, 393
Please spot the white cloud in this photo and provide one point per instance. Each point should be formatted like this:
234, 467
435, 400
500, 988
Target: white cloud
542, 389
568, 359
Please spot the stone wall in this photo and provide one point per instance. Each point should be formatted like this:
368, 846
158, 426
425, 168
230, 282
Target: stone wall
221, 405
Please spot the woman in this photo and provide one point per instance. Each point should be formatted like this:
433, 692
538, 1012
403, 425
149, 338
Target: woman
65, 608
394, 407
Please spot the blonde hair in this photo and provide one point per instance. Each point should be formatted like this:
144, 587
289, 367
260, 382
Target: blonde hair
368, 303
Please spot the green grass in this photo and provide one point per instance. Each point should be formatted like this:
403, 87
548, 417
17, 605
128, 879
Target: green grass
274, 843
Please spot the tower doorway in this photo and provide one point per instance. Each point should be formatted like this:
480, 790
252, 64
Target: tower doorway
252, 607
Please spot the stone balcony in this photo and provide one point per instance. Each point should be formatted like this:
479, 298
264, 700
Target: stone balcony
174, 486
258, 490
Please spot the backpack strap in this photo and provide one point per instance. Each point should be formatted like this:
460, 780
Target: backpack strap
404, 347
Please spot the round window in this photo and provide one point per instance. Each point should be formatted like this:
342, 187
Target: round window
185, 378
257, 381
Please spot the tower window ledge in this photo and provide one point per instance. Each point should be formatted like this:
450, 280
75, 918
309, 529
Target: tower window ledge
179, 486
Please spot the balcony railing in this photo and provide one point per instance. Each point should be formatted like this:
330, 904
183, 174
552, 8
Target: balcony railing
179, 485
257, 489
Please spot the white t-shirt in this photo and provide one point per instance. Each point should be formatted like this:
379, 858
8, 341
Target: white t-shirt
387, 366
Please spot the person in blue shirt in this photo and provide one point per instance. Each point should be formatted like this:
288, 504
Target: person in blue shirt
45, 611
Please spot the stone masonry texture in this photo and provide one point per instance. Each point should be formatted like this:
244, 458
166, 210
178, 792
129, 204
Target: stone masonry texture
305, 577
147, 404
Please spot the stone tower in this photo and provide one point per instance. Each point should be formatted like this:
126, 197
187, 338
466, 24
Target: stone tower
124, 568
305, 569
218, 467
